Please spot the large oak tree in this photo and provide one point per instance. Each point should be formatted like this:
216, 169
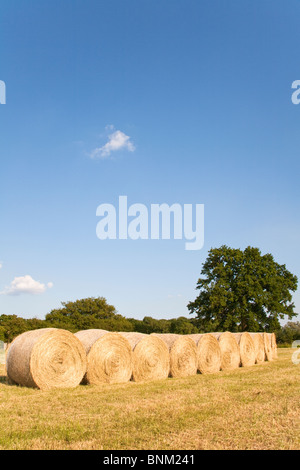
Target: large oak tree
243, 291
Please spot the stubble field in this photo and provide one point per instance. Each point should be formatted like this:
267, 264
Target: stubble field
249, 408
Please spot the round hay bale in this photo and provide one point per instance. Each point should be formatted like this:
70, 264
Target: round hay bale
151, 359
268, 347
109, 357
183, 354
273, 345
259, 347
209, 355
48, 358
8, 380
230, 350
247, 348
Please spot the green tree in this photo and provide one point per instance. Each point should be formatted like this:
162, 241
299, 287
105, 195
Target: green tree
84, 314
2, 333
182, 326
151, 325
243, 290
12, 326
289, 333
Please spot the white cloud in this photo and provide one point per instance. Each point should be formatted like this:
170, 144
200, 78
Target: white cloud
26, 285
116, 141
1, 264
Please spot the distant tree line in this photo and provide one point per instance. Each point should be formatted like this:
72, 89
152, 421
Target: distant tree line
96, 313
238, 291
92, 313
289, 333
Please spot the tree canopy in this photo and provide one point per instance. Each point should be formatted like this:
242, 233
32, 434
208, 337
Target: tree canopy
243, 290
12, 326
289, 333
93, 312
88, 313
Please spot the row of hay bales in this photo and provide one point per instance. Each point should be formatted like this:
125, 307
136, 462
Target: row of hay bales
54, 358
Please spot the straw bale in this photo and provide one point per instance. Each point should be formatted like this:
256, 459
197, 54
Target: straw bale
209, 353
109, 357
46, 359
247, 348
150, 357
183, 354
230, 351
259, 347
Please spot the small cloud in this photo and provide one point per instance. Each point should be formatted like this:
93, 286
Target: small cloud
1, 264
26, 285
117, 140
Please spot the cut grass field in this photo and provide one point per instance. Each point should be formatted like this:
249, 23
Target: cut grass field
250, 408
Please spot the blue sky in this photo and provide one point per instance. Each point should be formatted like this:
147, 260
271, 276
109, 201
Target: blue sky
202, 89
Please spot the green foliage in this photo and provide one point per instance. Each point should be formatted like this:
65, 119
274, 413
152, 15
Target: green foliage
92, 313
289, 333
148, 325
11, 326
87, 314
151, 325
101, 315
182, 326
82, 314
242, 291
2, 333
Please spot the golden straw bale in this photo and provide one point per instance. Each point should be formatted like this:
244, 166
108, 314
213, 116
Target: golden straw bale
259, 347
183, 354
209, 355
150, 357
48, 358
268, 347
274, 346
247, 348
230, 350
109, 357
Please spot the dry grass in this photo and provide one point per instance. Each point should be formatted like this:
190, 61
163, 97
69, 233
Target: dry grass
248, 408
